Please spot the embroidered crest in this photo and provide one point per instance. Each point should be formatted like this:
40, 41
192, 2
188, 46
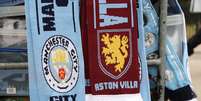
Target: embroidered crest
115, 50
60, 63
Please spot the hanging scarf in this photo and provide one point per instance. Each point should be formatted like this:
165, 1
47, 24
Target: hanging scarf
113, 60
56, 68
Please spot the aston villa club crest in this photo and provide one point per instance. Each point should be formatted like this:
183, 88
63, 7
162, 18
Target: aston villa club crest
60, 63
114, 52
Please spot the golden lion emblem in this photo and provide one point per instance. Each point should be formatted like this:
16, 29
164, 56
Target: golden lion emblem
115, 50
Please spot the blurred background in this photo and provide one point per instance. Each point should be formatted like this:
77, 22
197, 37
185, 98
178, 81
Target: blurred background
193, 26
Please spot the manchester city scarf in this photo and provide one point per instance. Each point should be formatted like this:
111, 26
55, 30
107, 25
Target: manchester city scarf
112, 41
56, 68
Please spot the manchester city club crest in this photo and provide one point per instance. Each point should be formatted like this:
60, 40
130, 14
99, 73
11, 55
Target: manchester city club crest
60, 63
114, 52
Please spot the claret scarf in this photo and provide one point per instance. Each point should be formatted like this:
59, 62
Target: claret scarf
111, 31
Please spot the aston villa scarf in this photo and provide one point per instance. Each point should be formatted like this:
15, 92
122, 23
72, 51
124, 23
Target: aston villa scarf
113, 51
85, 44
56, 68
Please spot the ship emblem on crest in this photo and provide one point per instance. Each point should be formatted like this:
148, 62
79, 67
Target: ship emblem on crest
59, 60
114, 53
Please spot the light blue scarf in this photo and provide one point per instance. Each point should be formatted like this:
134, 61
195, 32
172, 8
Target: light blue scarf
56, 68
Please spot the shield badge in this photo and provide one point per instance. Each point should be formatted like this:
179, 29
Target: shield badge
114, 52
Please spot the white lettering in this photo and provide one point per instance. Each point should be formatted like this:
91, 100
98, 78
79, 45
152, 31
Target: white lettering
109, 20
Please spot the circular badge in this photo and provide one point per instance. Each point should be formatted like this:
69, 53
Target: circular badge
60, 63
